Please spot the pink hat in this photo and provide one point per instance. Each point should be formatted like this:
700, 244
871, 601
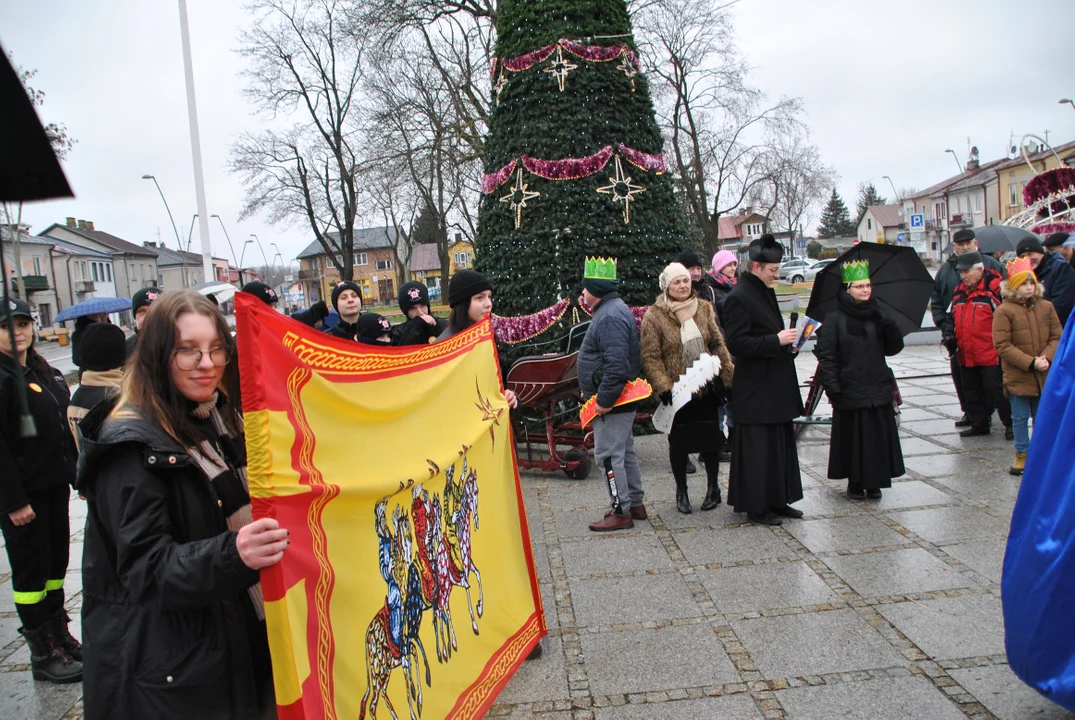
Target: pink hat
723, 259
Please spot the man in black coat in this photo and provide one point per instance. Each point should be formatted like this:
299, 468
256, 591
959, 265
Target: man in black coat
764, 477
1055, 275
963, 241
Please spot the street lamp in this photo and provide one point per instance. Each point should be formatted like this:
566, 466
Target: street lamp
191, 233
956, 157
263, 258
248, 242
230, 246
1069, 101
894, 193
178, 243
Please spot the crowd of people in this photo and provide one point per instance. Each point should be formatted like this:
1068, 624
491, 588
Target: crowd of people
153, 440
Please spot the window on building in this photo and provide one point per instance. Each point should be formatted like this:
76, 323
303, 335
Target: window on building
37, 265
361, 259
384, 264
109, 269
869, 224
95, 276
977, 203
1013, 196
462, 258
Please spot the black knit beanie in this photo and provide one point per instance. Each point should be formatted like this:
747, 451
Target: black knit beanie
600, 288
262, 292
144, 298
412, 293
345, 285
464, 285
102, 347
689, 258
372, 326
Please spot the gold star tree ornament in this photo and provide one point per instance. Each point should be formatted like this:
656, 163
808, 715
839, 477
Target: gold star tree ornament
559, 68
622, 190
501, 84
518, 196
627, 68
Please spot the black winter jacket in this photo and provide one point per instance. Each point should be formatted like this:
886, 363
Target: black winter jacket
946, 283
1058, 279
851, 349
345, 330
766, 387
33, 465
721, 290
611, 352
417, 331
168, 628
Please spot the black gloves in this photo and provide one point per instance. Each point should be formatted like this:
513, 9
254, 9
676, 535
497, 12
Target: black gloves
666, 397
950, 345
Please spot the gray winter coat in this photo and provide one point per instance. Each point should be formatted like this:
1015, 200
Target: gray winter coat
611, 353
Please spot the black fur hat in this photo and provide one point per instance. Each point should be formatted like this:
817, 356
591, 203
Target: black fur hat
766, 250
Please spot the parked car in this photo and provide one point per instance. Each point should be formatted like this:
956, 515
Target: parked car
794, 270
813, 271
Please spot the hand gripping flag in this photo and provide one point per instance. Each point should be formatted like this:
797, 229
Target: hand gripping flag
1038, 581
409, 586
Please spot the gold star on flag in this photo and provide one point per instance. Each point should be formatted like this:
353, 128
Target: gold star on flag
518, 197
622, 190
559, 68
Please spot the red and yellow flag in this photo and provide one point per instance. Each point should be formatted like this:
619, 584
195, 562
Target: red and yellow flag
409, 585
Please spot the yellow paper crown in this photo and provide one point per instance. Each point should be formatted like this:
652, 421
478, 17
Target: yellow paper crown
856, 271
600, 269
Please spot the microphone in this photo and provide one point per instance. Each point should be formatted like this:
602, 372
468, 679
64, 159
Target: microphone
793, 321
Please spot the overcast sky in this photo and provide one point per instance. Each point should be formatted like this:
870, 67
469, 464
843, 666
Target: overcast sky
887, 86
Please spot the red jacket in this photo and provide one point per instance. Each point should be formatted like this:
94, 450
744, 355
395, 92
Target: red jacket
972, 317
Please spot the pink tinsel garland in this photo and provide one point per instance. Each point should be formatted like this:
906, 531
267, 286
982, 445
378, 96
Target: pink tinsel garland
492, 181
1055, 227
1059, 181
647, 161
573, 168
568, 168
593, 53
513, 330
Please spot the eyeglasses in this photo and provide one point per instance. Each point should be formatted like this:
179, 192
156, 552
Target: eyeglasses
861, 286
190, 358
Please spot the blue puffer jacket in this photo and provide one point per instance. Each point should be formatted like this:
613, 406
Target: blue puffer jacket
611, 354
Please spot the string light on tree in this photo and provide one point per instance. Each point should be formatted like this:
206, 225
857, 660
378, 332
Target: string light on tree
559, 68
622, 190
518, 196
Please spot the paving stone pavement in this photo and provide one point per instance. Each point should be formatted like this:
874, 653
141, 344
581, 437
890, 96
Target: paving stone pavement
875, 610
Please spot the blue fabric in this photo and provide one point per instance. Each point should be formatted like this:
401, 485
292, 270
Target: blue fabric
1023, 408
1038, 581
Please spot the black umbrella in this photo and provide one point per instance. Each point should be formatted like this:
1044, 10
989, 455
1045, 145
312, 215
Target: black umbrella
28, 171
901, 284
1000, 238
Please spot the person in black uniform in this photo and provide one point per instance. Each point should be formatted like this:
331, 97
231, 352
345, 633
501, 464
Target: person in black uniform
347, 299
140, 303
420, 327
35, 477
764, 477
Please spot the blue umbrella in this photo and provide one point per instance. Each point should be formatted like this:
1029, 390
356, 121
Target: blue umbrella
94, 306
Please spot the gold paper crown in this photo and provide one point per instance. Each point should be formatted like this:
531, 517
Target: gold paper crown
600, 269
856, 271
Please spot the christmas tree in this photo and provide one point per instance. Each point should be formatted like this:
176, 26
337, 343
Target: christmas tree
835, 219
573, 161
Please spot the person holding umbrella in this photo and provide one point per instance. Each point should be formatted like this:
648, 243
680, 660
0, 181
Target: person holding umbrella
964, 241
852, 346
1056, 276
970, 322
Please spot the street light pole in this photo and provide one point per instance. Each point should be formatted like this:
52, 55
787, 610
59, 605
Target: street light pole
893, 186
263, 258
178, 242
1069, 101
191, 233
195, 143
956, 158
248, 242
230, 246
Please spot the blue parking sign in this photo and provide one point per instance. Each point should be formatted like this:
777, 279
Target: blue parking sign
918, 221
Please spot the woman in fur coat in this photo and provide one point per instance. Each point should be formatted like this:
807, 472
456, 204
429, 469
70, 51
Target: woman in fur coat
676, 330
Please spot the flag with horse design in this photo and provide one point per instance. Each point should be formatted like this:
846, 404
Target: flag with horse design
409, 588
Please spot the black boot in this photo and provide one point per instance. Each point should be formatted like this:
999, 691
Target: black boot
683, 502
712, 488
47, 657
70, 644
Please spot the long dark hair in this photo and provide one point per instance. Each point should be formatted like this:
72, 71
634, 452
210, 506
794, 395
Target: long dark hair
33, 360
459, 319
148, 391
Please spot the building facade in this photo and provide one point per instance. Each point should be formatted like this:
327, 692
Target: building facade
374, 267
134, 267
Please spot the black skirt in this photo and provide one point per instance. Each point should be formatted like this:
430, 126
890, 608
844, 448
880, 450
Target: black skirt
865, 447
695, 428
765, 468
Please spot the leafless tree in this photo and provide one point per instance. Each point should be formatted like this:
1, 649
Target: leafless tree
304, 78
798, 182
716, 123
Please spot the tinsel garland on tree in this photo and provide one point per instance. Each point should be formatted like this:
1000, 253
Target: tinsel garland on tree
566, 107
